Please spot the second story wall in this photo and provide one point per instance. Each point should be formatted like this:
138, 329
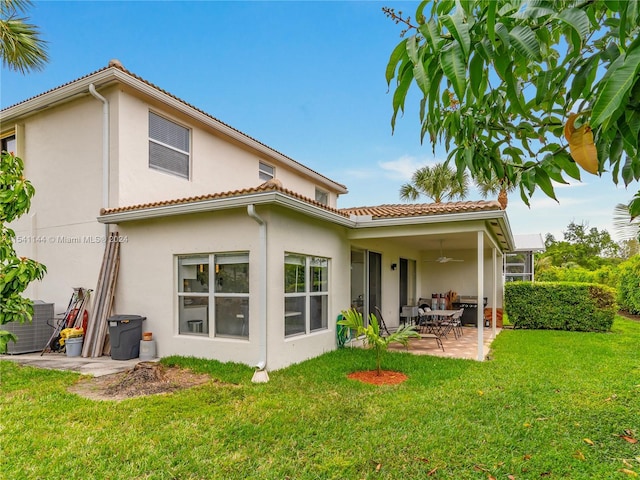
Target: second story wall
62, 152
213, 162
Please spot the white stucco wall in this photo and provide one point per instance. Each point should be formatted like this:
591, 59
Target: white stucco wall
62, 151
461, 277
218, 164
147, 280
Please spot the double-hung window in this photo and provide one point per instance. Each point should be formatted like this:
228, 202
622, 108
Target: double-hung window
213, 295
306, 294
265, 171
169, 145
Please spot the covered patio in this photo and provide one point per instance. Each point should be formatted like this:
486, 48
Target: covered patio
465, 346
403, 256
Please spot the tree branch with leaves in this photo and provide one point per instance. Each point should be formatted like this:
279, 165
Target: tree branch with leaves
21, 47
526, 92
16, 273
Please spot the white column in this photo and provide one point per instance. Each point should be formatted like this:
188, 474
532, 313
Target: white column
494, 300
480, 312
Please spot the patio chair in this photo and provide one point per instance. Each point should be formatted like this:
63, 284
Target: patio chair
383, 326
425, 331
456, 323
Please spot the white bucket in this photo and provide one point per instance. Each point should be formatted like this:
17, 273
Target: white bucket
73, 346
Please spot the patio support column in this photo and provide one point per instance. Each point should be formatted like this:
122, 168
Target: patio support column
480, 309
495, 290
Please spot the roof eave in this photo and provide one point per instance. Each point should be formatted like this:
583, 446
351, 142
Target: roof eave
107, 76
499, 216
262, 198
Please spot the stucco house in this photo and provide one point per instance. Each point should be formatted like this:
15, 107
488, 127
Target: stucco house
232, 250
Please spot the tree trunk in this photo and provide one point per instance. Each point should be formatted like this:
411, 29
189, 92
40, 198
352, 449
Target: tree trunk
503, 198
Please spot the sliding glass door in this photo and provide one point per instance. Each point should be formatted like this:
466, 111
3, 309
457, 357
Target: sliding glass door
366, 281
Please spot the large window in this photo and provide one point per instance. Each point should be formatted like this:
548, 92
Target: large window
306, 294
168, 146
214, 299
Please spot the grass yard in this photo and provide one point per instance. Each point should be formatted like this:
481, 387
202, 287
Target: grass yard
549, 405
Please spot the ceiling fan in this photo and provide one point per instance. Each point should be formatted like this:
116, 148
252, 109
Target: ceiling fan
444, 259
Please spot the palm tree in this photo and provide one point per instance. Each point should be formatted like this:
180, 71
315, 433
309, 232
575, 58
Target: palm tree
625, 227
353, 320
496, 186
21, 47
438, 183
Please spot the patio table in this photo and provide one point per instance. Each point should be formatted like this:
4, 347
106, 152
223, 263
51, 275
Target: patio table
435, 318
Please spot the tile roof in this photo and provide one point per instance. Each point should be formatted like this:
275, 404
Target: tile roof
269, 186
420, 209
376, 212
117, 65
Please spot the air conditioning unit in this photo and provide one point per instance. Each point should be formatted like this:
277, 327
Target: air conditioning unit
32, 336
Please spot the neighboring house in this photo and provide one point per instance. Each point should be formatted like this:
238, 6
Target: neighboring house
232, 250
519, 264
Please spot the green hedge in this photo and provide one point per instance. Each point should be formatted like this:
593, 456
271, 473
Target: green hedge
584, 307
629, 285
606, 275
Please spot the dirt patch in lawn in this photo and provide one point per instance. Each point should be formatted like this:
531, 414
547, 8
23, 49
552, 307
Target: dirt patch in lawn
146, 378
630, 316
385, 377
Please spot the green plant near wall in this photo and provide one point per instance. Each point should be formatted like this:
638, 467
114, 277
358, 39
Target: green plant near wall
353, 319
16, 273
629, 286
585, 307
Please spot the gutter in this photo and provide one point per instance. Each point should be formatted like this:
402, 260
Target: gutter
358, 224
105, 149
261, 375
275, 198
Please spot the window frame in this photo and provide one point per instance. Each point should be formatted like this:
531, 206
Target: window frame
173, 148
213, 295
309, 294
322, 196
266, 171
4, 142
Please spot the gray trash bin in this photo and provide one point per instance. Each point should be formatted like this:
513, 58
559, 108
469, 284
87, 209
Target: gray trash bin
125, 333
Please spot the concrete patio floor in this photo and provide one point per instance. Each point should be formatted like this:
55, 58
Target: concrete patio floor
466, 346
97, 367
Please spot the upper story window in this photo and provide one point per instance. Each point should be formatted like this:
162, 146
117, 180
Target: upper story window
9, 143
322, 197
266, 172
168, 146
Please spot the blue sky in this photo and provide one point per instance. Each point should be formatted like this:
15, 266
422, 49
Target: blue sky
305, 78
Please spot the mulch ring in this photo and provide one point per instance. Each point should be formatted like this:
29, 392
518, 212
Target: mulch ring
385, 377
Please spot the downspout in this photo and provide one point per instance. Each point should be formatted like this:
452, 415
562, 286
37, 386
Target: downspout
261, 375
105, 151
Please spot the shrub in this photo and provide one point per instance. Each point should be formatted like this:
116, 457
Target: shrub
629, 286
585, 307
605, 275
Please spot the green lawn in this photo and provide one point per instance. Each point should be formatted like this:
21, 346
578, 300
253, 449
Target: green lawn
549, 405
